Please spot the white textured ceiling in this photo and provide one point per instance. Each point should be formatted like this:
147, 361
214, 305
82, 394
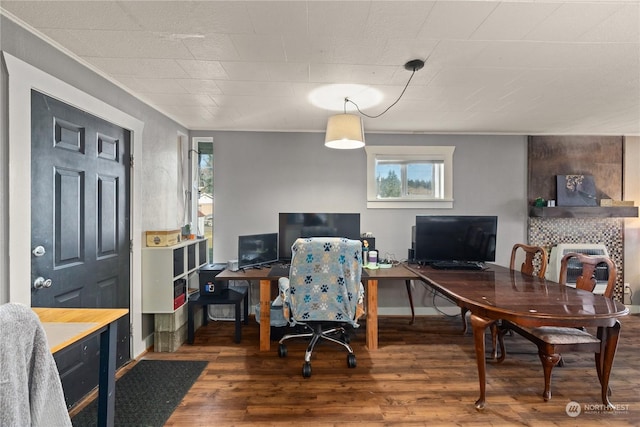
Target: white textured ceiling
523, 67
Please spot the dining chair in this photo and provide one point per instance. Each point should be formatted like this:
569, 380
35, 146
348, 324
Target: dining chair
552, 341
323, 294
534, 264
536, 258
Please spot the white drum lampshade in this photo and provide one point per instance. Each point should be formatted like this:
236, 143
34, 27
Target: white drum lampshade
344, 132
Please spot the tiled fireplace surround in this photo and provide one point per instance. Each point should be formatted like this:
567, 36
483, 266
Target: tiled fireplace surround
548, 232
601, 157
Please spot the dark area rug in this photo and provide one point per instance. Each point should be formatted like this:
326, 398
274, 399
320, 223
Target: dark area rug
148, 394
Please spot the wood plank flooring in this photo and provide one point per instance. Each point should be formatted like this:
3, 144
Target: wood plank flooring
422, 374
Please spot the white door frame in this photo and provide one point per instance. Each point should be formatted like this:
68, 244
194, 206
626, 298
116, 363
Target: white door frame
22, 78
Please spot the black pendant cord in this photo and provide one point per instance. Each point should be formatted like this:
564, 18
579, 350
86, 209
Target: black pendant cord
414, 66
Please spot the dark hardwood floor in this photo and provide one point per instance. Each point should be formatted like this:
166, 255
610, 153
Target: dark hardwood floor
423, 374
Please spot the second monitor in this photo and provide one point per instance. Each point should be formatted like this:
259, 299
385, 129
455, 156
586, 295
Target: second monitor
455, 238
257, 249
295, 225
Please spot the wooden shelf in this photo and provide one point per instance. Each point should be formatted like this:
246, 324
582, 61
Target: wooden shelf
584, 212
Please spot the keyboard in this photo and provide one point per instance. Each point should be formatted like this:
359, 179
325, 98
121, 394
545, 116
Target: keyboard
456, 265
279, 271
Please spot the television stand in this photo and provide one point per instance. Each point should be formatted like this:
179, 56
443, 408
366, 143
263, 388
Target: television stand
457, 265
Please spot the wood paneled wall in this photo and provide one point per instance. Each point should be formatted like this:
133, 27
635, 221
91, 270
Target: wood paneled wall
600, 156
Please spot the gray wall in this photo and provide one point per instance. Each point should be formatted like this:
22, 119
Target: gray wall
158, 161
258, 175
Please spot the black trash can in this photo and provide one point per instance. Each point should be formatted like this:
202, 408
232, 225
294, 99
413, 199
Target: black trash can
208, 284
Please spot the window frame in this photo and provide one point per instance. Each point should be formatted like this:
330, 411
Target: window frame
410, 154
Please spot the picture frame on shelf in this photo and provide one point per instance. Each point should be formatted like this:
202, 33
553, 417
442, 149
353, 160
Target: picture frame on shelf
576, 190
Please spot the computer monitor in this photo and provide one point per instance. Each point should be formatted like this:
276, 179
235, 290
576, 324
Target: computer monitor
295, 225
455, 238
257, 249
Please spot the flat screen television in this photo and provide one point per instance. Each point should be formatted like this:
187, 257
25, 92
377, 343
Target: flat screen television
314, 224
257, 249
455, 238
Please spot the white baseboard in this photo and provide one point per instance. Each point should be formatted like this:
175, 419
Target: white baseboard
426, 311
634, 309
420, 311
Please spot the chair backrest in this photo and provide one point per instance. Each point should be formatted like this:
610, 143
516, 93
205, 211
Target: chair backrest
528, 266
587, 280
324, 279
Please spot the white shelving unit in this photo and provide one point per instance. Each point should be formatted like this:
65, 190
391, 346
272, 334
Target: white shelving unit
166, 272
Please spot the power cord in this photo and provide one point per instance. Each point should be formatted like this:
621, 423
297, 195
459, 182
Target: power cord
413, 65
435, 294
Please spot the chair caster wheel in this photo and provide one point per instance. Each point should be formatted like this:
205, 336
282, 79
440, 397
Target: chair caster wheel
306, 370
351, 360
282, 350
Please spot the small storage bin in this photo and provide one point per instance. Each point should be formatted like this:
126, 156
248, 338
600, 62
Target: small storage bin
279, 324
277, 316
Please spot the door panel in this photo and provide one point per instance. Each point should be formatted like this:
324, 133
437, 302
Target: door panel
80, 215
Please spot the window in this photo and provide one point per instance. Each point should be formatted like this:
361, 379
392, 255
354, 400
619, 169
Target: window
204, 200
409, 177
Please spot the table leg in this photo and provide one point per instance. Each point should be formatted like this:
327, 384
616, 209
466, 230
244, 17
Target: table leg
479, 325
245, 305
463, 314
413, 312
107, 377
265, 315
611, 335
190, 322
372, 314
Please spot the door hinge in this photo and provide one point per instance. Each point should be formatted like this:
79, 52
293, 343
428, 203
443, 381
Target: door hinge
130, 329
131, 160
131, 246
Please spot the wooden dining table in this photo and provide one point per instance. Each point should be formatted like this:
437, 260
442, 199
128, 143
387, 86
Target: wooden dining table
497, 293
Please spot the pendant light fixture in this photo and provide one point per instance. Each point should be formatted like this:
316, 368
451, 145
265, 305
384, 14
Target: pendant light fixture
345, 131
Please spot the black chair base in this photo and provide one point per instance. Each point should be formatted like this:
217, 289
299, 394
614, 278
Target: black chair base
316, 333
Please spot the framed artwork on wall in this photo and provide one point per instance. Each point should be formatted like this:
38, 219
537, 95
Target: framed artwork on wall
576, 190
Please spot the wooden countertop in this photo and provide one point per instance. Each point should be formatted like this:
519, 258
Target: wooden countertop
64, 326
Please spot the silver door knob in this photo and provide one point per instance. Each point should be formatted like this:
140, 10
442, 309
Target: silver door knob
41, 282
39, 251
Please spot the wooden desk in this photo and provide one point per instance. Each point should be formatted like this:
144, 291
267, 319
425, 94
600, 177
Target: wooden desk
262, 275
500, 293
65, 326
370, 279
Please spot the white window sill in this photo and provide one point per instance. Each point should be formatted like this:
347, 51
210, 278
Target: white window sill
410, 204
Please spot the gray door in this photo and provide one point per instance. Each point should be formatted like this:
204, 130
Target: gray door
79, 226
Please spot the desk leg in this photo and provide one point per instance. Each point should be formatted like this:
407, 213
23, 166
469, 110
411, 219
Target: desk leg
372, 314
611, 335
245, 305
190, 322
479, 325
107, 377
413, 311
265, 315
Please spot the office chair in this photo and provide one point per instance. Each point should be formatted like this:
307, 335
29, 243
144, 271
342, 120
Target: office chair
323, 293
31, 391
552, 340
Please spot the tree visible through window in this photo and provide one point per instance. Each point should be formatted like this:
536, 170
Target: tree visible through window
420, 175
408, 179
205, 192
